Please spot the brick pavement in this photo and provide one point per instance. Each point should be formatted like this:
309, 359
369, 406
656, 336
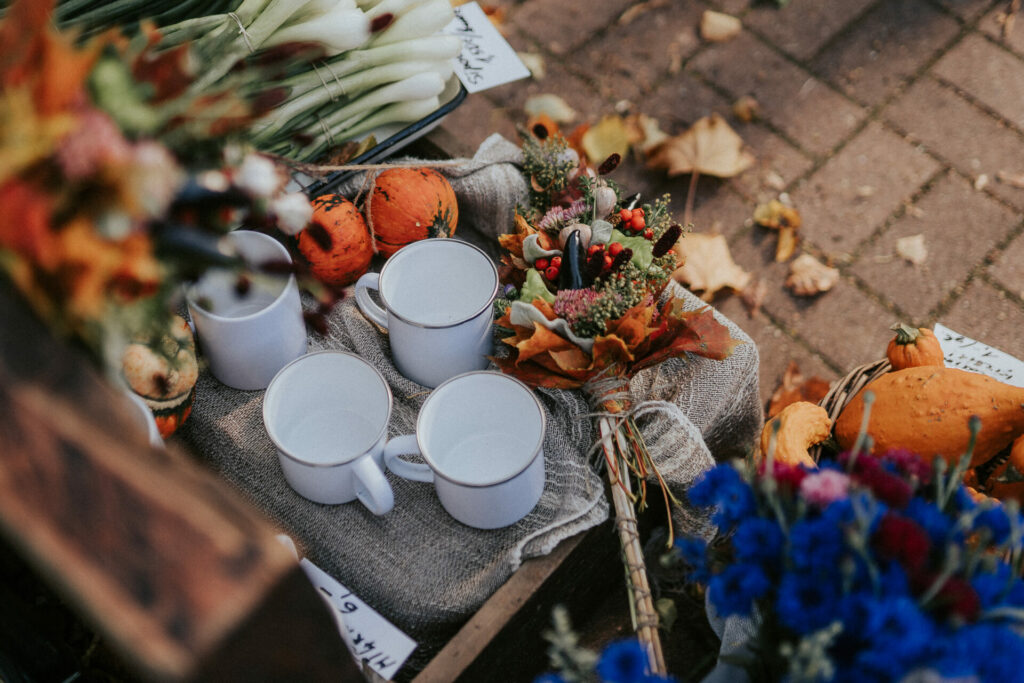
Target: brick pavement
882, 118
879, 116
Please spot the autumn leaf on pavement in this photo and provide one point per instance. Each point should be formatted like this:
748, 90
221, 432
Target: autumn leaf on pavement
912, 249
551, 105
808, 276
795, 387
716, 27
644, 132
710, 147
775, 215
709, 266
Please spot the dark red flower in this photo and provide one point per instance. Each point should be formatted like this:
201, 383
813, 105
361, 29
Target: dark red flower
887, 487
958, 598
909, 463
902, 540
788, 477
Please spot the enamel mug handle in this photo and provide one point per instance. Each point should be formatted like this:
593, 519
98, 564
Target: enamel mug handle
367, 305
401, 445
372, 489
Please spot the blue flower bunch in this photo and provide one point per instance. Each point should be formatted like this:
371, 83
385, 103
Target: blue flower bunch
864, 568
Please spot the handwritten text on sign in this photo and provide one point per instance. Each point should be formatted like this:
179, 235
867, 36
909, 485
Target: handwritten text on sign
486, 59
967, 354
371, 638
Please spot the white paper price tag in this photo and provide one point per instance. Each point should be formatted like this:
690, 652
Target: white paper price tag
370, 637
486, 59
967, 354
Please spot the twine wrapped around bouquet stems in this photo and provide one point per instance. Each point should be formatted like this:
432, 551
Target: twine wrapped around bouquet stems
611, 394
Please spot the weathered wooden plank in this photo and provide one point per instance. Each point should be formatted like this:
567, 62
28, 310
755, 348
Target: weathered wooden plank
159, 555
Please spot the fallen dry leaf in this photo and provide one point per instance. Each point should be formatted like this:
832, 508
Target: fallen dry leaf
786, 220
717, 26
639, 8
795, 387
535, 62
1010, 178
644, 131
709, 266
753, 296
808, 276
746, 109
710, 147
912, 249
981, 182
550, 105
609, 136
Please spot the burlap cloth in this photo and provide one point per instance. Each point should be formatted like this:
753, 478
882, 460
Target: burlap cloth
423, 570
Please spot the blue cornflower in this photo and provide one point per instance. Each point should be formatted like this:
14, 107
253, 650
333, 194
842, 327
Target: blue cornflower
993, 587
893, 581
807, 601
723, 487
962, 501
898, 636
733, 591
995, 651
949, 653
996, 521
622, 661
694, 554
815, 543
930, 518
758, 540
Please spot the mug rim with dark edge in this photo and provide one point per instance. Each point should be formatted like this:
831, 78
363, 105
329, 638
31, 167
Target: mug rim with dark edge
193, 303
537, 449
391, 311
382, 432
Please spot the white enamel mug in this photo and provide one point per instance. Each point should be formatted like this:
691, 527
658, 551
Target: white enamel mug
248, 338
437, 296
481, 435
327, 413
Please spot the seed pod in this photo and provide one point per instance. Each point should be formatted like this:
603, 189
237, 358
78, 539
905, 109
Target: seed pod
667, 240
570, 275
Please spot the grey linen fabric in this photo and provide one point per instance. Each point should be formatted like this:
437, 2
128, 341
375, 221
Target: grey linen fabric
420, 568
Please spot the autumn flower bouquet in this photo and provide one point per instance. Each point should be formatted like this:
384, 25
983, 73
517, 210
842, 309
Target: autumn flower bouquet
863, 569
116, 179
586, 306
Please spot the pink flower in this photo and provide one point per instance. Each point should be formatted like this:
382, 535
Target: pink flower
824, 487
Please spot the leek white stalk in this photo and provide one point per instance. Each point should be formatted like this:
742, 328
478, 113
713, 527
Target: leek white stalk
316, 8
419, 86
405, 111
339, 30
394, 7
421, 20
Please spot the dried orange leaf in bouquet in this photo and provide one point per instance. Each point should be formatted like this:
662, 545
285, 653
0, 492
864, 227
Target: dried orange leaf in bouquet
808, 276
710, 147
709, 266
795, 387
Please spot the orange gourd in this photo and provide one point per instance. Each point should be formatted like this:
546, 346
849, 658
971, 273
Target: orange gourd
800, 425
912, 347
926, 409
337, 243
410, 204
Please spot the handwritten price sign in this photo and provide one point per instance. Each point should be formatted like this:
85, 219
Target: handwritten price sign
486, 59
968, 354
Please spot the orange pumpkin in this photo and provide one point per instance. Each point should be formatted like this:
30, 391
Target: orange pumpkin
410, 204
163, 372
336, 243
912, 347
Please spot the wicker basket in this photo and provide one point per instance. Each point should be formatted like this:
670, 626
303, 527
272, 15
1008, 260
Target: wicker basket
845, 389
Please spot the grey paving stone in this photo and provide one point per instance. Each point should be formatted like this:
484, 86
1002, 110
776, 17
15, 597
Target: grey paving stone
802, 27
794, 101
951, 128
960, 227
564, 26
986, 314
882, 50
988, 73
1008, 268
853, 194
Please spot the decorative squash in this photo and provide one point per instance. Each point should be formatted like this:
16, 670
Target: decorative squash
336, 243
164, 372
410, 204
1005, 482
912, 347
801, 425
926, 409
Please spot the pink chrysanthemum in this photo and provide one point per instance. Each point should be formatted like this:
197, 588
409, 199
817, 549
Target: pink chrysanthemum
824, 487
560, 216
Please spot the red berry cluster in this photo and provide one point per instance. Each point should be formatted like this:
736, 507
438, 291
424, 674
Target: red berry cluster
633, 221
550, 267
610, 251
